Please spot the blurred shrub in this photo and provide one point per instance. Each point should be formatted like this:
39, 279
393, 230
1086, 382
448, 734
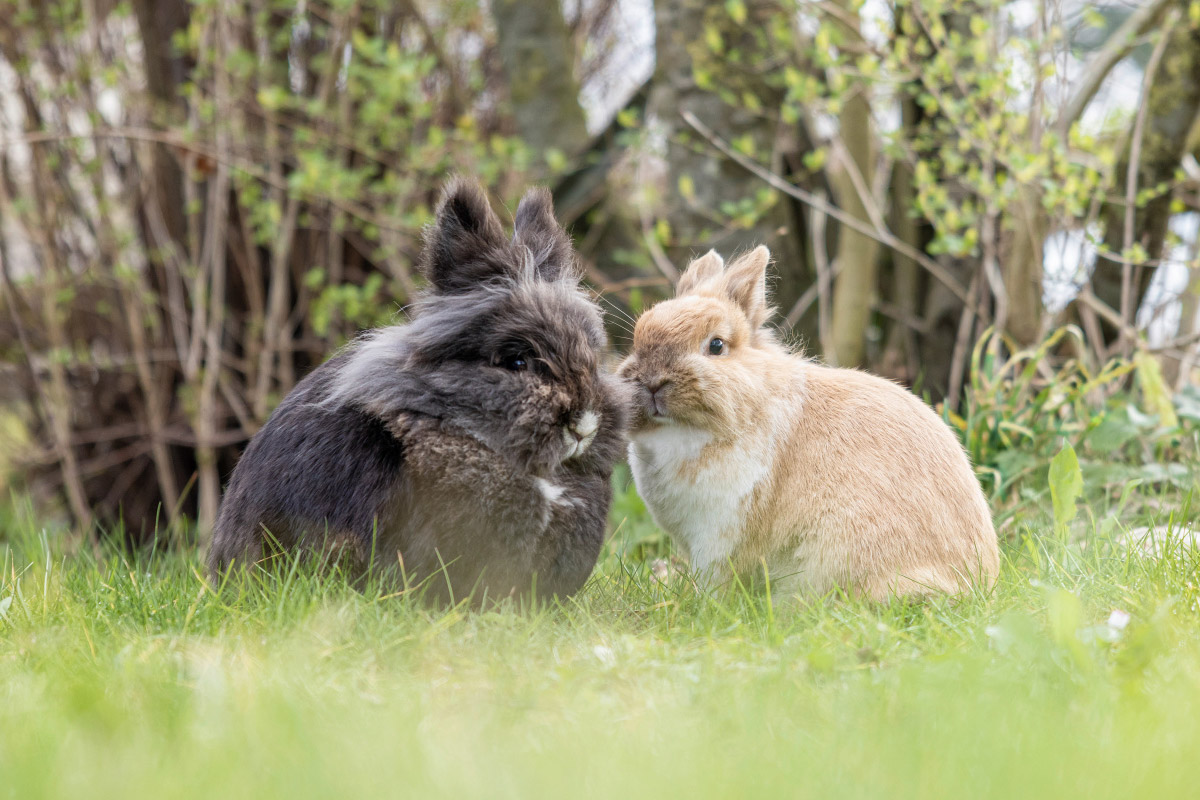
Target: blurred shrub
193, 217
1020, 411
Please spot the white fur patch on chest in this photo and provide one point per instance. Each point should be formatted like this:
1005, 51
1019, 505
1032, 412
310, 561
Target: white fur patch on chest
554, 493
698, 496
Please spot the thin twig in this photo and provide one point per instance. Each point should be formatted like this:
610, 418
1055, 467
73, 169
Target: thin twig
822, 289
56, 399
139, 318
215, 247
904, 316
847, 162
1088, 298
991, 262
656, 252
1115, 48
958, 360
883, 235
810, 296
1131, 175
212, 154
824, 283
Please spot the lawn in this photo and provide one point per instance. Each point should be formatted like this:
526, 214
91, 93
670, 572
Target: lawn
130, 677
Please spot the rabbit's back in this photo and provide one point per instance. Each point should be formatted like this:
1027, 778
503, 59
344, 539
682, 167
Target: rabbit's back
413, 498
312, 472
873, 491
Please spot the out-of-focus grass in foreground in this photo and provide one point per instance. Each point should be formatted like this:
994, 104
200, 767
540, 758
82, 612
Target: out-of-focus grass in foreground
1079, 676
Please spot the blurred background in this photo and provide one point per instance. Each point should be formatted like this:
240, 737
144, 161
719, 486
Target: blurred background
995, 203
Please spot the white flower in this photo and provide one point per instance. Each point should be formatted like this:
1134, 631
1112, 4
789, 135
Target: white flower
605, 655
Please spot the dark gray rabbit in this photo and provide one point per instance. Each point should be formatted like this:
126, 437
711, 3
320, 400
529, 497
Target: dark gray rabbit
471, 448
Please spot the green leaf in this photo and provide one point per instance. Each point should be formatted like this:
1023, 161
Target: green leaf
737, 10
1187, 403
687, 187
815, 159
712, 37
636, 301
744, 144
1154, 389
1066, 484
1115, 429
1093, 18
627, 118
556, 159
662, 231
314, 278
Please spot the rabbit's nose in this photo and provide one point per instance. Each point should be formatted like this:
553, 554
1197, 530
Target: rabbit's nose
658, 404
655, 386
587, 425
578, 435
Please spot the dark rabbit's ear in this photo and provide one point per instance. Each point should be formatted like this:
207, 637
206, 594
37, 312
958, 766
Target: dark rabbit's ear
460, 245
536, 228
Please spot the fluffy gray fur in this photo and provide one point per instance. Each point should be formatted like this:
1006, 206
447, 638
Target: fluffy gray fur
437, 451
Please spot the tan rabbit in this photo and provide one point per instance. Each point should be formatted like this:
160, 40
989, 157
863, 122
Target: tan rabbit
751, 456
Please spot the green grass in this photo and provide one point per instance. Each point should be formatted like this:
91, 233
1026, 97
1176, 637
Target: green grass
131, 678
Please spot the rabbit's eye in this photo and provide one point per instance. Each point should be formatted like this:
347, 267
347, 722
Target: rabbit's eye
716, 346
515, 362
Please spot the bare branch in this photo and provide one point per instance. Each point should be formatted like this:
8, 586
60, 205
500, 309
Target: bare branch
882, 235
962, 346
1117, 47
1131, 179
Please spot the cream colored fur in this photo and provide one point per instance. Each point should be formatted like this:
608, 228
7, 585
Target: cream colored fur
828, 478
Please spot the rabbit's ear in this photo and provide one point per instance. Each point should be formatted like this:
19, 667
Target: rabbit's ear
460, 244
700, 271
746, 284
536, 228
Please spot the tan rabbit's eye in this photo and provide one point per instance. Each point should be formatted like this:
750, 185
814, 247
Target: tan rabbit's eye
716, 346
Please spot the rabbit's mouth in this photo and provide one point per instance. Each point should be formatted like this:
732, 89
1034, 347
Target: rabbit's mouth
652, 402
579, 434
658, 407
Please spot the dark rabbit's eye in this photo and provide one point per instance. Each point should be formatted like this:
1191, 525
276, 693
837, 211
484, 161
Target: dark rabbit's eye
516, 362
514, 356
716, 346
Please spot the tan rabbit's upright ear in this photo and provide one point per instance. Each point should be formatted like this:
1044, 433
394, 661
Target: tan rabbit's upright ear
701, 270
746, 284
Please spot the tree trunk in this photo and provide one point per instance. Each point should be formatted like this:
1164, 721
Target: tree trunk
857, 254
944, 336
900, 360
539, 67
1022, 266
700, 181
158, 23
1173, 103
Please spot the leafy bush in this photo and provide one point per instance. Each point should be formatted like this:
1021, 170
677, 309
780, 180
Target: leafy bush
1021, 410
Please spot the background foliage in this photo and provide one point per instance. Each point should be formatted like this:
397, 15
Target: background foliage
994, 202
200, 200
